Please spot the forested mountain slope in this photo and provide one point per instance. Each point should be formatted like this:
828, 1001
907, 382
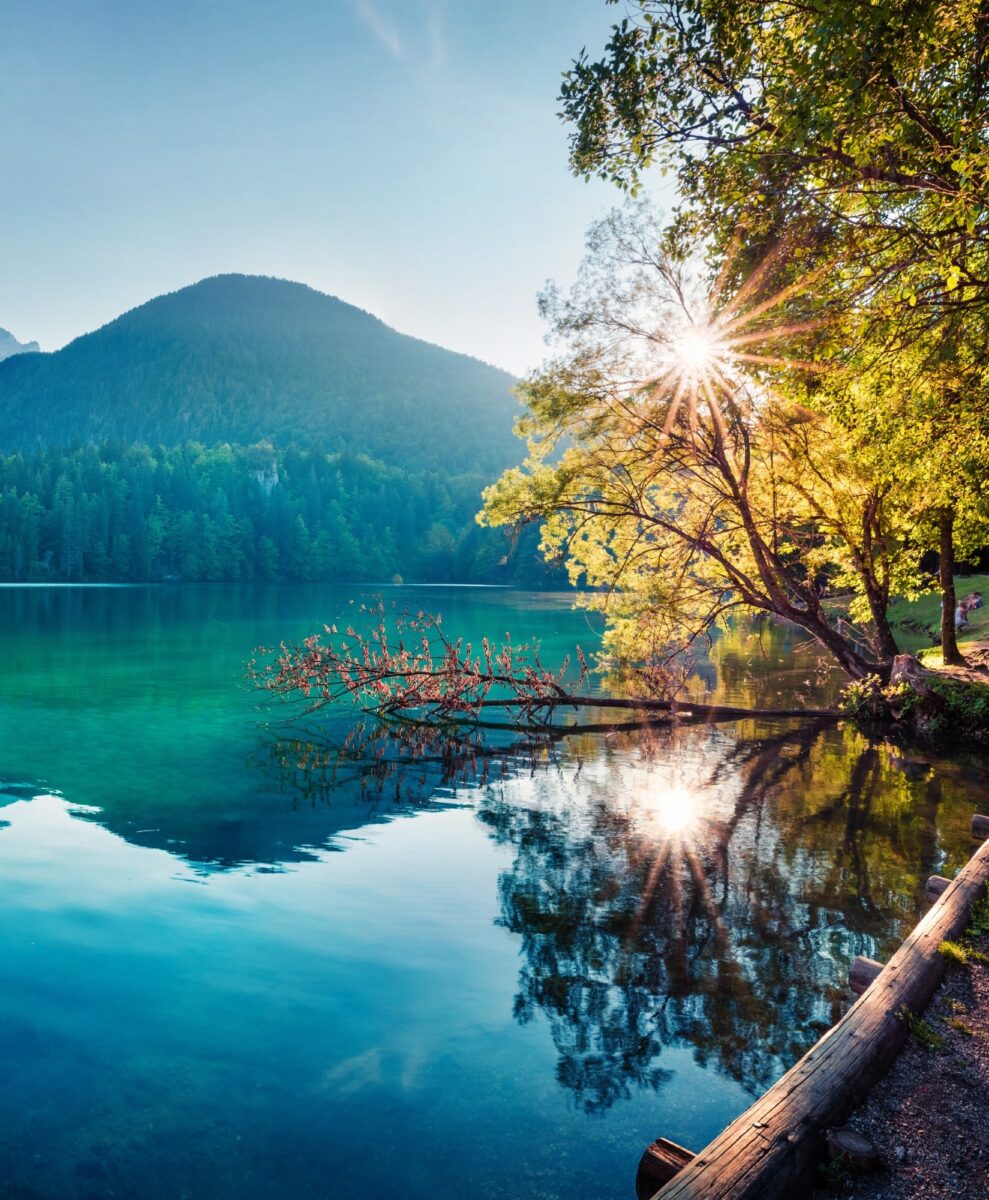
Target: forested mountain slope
250, 428
240, 358
229, 513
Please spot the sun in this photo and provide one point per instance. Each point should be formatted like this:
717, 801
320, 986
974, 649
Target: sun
707, 356
676, 809
697, 350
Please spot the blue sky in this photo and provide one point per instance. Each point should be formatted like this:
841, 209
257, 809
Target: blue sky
404, 155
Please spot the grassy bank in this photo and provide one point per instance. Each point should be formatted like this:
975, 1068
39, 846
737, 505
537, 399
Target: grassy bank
930, 702
912, 619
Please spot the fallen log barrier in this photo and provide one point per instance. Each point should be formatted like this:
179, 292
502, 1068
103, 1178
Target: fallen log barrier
852, 1149
863, 972
980, 827
657, 1166
770, 1148
935, 886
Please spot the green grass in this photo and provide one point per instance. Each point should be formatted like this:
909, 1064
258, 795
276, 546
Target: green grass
978, 925
907, 616
954, 953
920, 1030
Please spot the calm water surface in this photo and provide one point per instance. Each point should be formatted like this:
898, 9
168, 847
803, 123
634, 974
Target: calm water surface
235, 962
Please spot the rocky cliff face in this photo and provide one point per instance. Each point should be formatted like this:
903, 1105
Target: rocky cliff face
10, 345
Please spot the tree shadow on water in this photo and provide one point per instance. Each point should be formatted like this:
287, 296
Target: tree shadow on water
700, 887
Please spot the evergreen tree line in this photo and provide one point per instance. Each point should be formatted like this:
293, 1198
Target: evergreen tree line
130, 513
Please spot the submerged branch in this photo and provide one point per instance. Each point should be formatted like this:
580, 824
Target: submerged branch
415, 669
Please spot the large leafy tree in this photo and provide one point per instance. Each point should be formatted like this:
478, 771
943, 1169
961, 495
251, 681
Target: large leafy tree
919, 427
863, 126
673, 467
869, 116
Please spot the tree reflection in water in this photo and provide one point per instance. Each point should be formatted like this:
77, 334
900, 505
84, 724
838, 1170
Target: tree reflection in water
699, 886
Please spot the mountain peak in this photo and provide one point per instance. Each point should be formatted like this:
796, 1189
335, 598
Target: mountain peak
9, 345
246, 358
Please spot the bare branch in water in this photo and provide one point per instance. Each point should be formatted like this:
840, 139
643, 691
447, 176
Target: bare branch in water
415, 670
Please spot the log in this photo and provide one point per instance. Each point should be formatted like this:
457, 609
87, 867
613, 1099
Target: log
657, 1166
863, 971
767, 1153
935, 886
852, 1149
980, 827
683, 708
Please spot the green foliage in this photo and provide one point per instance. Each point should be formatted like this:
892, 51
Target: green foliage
964, 708
242, 359
949, 709
955, 953
130, 514
978, 925
864, 701
679, 498
866, 121
920, 1030
853, 136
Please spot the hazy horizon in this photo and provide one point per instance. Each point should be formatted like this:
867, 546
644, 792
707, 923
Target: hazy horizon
243, 275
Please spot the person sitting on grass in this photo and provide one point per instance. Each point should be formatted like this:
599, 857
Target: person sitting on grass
969, 604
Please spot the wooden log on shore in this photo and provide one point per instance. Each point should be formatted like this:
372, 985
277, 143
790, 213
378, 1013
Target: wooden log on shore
768, 1151
657, 1166
852, 1149
980, 827
863, 971
935, 886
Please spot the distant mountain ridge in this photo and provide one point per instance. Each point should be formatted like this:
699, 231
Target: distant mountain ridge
248, 428
9, 345
240, 359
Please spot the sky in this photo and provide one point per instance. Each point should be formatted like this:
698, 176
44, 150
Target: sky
404, 155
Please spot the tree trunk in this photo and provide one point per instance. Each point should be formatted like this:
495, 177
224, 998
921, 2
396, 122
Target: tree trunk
876, 594
946, 567
855, 665
884, 633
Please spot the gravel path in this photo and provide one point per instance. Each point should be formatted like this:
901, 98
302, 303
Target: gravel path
929, 1117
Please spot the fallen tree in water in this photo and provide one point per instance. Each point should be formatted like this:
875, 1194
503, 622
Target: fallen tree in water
412, 668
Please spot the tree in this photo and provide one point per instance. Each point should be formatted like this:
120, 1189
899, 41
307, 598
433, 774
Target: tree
861, 124
868, 117
918, 425
679, 483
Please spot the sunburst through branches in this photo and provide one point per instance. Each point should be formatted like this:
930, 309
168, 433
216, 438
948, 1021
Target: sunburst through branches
714, 351
658, 330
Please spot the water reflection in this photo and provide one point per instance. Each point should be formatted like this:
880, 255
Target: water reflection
703, 887
596, 938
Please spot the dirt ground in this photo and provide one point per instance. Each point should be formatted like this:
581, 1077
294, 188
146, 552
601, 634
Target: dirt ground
929, 1116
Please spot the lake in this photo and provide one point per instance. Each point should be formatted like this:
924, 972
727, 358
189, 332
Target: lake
243, 958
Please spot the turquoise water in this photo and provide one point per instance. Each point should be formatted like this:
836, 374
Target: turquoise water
225, 971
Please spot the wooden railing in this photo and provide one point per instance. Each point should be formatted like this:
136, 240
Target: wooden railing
769, 1149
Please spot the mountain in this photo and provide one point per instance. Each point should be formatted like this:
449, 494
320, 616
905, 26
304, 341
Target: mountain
240, 359
10, 345
247, 428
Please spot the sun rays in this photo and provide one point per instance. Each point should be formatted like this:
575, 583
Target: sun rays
699, 351
673, 820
